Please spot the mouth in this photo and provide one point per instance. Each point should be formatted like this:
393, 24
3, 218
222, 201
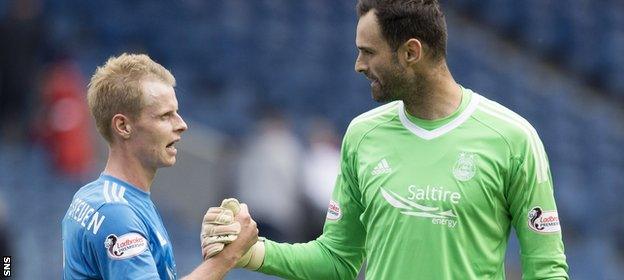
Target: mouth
171, 146
373, 81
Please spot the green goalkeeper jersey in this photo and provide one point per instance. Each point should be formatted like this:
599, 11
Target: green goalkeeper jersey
422, 199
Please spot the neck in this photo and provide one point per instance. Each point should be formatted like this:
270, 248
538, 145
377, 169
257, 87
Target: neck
124, 165
436, 96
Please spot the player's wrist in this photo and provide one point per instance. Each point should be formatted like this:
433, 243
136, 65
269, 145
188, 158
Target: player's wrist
225, 259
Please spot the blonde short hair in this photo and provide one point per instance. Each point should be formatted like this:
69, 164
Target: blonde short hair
115, 88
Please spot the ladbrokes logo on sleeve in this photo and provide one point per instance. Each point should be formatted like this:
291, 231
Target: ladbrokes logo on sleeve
126, 246
333, 211
543, 221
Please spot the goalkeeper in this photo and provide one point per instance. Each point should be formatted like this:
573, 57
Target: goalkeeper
431, 183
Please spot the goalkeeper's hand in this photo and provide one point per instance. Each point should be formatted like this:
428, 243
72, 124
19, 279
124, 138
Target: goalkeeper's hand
254, 256
218, 229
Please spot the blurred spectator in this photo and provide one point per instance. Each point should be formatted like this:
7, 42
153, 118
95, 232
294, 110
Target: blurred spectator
320, 169
269, 178
65, 125
21, 32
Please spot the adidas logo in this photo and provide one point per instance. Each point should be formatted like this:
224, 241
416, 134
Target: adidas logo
382, 167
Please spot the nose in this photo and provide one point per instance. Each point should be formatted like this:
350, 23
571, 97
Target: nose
360, 66
181, 125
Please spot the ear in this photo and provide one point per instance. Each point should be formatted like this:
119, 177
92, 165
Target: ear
413, 51
121, 126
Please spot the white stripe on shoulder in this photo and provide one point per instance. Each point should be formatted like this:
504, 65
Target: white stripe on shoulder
536, 146
114, 192
120, 195
105, 191
375, 112
533, 133
496, 110
378, 110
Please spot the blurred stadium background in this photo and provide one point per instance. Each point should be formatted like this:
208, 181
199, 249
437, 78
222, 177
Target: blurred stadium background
268, 88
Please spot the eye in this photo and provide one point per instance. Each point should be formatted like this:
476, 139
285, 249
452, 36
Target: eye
365, 51
166, 116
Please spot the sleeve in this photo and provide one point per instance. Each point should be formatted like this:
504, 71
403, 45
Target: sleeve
339, 252
534, 214
121, 246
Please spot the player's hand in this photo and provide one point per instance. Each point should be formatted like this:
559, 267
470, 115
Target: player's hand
242, 249
253, 256
218, 228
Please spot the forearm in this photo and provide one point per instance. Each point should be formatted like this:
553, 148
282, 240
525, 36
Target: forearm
212, 269
311, 260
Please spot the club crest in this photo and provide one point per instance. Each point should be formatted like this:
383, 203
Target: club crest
465, 167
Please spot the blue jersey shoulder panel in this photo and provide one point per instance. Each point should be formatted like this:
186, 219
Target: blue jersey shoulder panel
113, 231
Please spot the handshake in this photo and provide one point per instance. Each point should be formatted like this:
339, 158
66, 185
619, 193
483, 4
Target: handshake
231, 228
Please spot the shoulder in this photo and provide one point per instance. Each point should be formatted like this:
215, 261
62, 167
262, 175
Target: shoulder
118, 211
114, 218
123, 234
520, 135
516, 130
371, 119
102, 192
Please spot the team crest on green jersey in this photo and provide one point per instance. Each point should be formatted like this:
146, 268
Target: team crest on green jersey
465, 168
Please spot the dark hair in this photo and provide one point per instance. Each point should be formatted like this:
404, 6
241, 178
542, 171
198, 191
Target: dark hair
401, 20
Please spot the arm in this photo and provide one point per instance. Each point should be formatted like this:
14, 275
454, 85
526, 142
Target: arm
339, 252
214, 268
219, 265
120, 246
534, 215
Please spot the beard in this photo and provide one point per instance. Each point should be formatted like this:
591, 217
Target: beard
391, 84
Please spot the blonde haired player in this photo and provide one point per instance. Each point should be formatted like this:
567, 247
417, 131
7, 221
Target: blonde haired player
112, 229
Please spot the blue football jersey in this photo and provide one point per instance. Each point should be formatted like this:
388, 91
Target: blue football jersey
112, 230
